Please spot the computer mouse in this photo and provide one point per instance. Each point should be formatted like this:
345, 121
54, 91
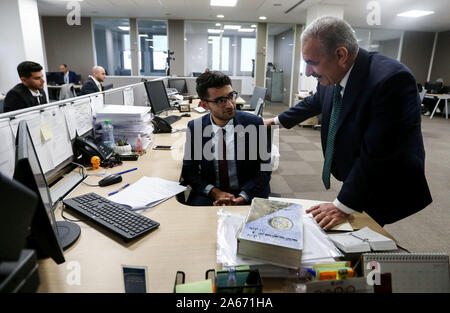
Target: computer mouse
186, 115
110, 180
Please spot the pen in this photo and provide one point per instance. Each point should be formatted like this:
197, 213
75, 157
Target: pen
133, 169
114, 192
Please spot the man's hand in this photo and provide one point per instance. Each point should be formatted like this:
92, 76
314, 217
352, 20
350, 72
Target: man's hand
269, 122
327, 215
221, 197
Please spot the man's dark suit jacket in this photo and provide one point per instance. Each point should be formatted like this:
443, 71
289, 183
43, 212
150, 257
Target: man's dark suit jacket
89, 86
20, 97
73, 77
378, 151
198, 172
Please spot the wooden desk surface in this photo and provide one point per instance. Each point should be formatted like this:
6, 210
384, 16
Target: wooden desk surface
185, 240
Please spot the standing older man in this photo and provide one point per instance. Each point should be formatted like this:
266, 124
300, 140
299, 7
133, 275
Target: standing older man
93, 83
371, 133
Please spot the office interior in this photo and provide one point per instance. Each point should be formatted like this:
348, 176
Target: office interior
256, 43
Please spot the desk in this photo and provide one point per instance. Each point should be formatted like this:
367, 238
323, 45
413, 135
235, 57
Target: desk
186, 239
444, 97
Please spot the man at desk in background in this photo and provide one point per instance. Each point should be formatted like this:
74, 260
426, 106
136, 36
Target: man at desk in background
69, 77
30, 91
371, 133
219, 163
93, 83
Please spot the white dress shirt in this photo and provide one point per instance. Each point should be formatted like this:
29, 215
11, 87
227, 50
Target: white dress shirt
232, 167
343, 84
66, 77
36, 94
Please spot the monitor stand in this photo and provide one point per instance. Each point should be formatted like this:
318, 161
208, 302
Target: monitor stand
68, 233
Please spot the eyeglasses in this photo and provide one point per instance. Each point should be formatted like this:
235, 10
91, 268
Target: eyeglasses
222, 101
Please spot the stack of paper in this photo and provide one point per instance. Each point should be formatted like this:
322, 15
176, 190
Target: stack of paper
147, 192
317, 248
128, 123
363, 240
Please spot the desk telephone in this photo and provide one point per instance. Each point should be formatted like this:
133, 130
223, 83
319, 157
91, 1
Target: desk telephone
88, 149
161, 125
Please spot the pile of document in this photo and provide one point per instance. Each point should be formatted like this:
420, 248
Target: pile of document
128, 123
317, 247
147, 192
363, 240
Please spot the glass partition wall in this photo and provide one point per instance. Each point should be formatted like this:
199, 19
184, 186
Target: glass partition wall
152, 45
229, 47
112, 45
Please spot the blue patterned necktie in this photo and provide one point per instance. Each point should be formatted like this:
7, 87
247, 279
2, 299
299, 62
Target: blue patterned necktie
332, 129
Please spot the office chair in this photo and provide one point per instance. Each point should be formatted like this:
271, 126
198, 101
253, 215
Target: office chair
259, 107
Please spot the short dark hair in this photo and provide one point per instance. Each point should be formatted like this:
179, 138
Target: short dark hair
212, 79
65, 65
26, 68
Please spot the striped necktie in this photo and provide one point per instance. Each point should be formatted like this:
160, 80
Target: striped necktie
332, 129
224, 179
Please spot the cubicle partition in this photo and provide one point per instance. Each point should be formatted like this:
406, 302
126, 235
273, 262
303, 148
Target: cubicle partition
54, 126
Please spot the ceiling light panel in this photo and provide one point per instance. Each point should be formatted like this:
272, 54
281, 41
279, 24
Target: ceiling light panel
223, 3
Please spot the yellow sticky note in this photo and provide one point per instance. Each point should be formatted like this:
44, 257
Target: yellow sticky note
46, 131
204, 286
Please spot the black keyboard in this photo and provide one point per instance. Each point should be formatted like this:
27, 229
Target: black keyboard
172, 119
114, 217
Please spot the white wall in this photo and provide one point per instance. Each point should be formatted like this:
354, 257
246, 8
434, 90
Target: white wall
21, 39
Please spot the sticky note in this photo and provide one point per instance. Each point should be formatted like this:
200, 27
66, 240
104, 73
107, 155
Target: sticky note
46, 131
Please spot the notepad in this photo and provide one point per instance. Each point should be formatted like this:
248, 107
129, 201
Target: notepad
363, 240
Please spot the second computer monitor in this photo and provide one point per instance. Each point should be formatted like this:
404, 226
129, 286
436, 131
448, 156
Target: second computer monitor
156, 92
179, 84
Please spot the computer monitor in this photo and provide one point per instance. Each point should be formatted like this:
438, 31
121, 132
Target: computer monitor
179, 84
48, 237
55, 78
156, 92
433, 87
16, 212
258, 93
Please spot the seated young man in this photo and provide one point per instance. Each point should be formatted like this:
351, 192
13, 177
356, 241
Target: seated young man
243, 171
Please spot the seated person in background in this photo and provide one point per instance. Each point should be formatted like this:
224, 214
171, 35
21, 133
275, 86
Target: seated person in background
240, 174
93, 83
30, 91
69, 77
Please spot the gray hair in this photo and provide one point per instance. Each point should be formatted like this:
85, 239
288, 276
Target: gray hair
332, 33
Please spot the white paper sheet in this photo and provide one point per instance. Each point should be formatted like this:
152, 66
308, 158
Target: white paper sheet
34, 125
97, 103
128, 96
147, 191
60, 144
82, 116
70, 120
7, 151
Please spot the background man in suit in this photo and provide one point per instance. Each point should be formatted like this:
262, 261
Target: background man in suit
69, 77
30, 91
93, 83
371, 133
238, 175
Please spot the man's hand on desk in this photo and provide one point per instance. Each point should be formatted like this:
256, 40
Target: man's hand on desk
269, 122
225, 198
328, 215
